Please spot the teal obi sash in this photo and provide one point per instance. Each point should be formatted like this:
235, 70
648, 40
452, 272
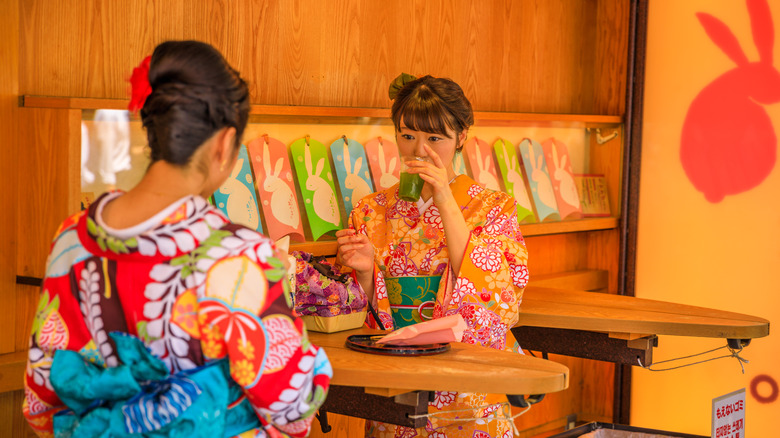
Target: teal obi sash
139, 398
412, 298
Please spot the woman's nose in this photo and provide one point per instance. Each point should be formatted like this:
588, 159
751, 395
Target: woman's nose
419, 148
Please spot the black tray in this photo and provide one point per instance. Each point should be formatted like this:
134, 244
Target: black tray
367, 344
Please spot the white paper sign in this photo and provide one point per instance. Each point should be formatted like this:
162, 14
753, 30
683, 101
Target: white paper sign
728, 415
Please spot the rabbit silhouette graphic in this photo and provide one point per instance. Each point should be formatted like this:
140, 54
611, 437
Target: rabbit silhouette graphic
353, 181
728, 144
283, 205
387, 177
241, 205
566, 185
323, 199
480, 155
514, 177
542, 179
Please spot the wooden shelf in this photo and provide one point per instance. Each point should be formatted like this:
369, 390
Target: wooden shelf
572, 226
328, 247
347, 115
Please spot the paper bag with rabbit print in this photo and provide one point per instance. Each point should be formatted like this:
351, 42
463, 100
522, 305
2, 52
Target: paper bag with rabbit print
539, 180
479, 156
514, 179
236, 197
384, 161
318, 192
559, 167
276, 188
351, 165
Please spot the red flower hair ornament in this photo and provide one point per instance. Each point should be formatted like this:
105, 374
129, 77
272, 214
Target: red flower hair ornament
140, 88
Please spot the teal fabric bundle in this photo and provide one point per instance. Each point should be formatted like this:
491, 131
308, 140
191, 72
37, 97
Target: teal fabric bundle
139, 398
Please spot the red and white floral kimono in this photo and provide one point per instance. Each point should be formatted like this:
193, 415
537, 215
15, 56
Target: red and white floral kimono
196, 290
409, 240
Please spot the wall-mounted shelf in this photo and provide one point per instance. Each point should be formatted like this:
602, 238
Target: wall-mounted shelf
368, 116
328, 247
311, 114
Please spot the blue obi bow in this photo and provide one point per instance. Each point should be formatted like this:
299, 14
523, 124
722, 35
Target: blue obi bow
141, 398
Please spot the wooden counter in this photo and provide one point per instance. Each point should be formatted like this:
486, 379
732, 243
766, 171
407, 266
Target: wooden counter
500, 372
618, 328
559, 308
393, 388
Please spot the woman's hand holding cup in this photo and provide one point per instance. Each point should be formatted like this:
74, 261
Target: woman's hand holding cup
434, 172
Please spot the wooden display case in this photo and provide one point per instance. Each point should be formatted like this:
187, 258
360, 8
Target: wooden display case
530, 63
589, 261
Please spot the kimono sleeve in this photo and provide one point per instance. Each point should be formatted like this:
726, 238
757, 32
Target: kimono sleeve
41, 402
245, 315
358, 222
494, 271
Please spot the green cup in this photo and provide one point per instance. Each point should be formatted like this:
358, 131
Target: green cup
411, 184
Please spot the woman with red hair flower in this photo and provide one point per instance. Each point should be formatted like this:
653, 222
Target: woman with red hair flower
158, 316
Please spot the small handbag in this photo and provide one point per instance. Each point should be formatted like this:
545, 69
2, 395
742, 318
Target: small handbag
327, 299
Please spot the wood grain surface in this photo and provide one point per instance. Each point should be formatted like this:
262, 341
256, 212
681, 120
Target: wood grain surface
49, 181
500, 372
9, 167
547, 56
559, 308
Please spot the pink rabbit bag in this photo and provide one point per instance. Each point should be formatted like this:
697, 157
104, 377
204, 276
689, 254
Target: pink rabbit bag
276, 189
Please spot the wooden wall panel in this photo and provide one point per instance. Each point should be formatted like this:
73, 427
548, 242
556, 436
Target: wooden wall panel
12, 423
527, 56
49, 183
341, 426
9, 116
546, 254
611, 52
602, 253
88, 48
26, 306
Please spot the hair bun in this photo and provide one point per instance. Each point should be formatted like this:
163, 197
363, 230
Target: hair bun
398, 83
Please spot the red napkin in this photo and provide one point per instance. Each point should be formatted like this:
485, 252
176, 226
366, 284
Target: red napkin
441, 330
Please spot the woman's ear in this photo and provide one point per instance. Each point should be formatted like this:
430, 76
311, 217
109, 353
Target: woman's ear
224, 148
462, 139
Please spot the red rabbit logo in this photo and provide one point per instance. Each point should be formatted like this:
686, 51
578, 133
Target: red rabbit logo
728, 143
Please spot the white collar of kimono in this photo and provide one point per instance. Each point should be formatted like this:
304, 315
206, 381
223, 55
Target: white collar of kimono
135, 230
423, 205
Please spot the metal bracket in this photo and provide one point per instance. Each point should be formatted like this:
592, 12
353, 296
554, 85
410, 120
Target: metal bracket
738, 344
522, 402
601, 139
355, 402
585, 344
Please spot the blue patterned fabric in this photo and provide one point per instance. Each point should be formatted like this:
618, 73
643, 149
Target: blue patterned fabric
140, 399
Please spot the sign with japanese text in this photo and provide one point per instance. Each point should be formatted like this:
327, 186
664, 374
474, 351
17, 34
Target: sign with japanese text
728, 415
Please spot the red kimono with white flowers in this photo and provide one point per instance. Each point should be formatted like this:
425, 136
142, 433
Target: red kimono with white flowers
194, 288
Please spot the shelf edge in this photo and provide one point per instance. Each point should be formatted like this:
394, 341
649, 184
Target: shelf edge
481, 117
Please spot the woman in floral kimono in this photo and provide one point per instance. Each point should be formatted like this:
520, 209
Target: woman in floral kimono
458, 249
159, 317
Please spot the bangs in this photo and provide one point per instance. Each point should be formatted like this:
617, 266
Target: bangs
425, 113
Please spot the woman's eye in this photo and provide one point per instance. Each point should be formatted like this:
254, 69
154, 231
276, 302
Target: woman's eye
434, 138
407, 137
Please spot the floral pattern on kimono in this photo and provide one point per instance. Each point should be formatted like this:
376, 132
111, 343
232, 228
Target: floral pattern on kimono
486, 292
195, 289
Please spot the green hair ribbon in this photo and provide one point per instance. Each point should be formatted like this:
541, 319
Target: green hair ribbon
398, 83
